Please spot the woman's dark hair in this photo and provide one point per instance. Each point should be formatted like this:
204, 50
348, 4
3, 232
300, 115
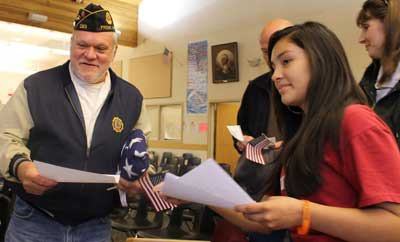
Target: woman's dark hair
331, 88
387, 11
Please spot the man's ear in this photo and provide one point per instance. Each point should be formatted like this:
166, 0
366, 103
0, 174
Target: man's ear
115, 50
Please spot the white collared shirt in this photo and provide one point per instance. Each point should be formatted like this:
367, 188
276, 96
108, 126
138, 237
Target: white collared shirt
91, 98
384, 88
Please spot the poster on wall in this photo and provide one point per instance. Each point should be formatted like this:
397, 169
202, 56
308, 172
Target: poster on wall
171, 122
196, 93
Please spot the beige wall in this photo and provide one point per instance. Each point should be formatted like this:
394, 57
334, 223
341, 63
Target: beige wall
9, 82
247, 38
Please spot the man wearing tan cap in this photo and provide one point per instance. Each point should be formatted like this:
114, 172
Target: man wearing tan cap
77, 116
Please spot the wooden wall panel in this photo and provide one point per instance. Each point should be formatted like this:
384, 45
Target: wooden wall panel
61, 14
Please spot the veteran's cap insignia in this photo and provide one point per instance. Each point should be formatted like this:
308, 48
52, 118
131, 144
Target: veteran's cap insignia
108, 18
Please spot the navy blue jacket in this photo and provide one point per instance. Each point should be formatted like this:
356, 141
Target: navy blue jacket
58, 137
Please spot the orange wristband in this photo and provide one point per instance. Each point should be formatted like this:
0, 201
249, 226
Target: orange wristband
306, 222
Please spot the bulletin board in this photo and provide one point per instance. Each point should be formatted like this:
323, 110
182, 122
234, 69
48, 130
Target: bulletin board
152, 75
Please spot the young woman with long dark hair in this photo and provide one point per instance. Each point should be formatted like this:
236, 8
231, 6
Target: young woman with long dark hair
339, 160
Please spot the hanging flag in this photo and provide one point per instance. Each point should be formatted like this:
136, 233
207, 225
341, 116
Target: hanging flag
167, 56
148, 182
254, 149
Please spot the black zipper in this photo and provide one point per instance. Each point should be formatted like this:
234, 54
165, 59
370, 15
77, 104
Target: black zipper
97, 119
87, 150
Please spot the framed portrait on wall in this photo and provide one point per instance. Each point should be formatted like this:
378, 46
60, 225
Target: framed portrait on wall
225, 66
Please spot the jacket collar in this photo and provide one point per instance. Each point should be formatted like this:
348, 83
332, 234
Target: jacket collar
369, 79
71, 91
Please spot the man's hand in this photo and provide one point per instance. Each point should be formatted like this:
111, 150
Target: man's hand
32, 181
278, 145
130, 188
242, 144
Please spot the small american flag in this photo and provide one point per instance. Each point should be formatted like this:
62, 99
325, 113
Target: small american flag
254, 149
148, 182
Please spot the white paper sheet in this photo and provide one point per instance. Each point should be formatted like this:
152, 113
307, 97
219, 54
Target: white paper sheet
206, 184
236, 132
62, 174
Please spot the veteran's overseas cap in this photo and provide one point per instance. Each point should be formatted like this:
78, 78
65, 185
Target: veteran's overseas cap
93, 18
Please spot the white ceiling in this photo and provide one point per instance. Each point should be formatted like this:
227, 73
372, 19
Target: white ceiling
201, 17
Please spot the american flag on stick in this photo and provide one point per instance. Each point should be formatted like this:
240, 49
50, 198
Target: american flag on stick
148, 182
254, 149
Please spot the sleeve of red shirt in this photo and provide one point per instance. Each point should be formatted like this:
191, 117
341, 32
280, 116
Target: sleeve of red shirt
371, 157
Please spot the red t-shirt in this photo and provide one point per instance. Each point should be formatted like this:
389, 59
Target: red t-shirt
364, 173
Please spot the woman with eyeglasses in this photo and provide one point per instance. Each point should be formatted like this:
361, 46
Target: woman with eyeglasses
339, 161
379, 21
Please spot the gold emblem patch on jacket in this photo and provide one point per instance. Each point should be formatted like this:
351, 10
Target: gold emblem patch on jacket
117, 124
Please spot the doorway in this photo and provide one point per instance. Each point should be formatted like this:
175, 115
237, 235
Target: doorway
225, 114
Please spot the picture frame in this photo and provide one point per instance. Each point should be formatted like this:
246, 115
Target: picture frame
225, 65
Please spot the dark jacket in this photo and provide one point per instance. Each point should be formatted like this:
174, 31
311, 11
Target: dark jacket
58, 137
253, 114
254, 117
388, 108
